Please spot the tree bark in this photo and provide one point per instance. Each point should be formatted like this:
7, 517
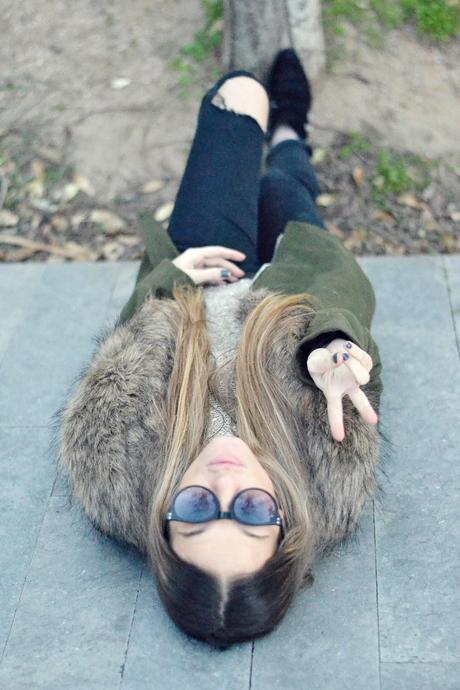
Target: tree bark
255, 30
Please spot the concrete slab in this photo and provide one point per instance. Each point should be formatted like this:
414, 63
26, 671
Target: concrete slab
78, 610
27, 476
161, 656
329, 637
17, 286
420, 676
417, 528
72, 625
53, 340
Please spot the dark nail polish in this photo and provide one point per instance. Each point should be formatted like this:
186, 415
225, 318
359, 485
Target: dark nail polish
225, 273
349, 345
346, 355
335, 357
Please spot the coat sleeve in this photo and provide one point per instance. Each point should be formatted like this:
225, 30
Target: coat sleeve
157, 274
109, 431
311, 260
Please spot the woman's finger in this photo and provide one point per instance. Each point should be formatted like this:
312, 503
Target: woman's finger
235, 270
358, 370
217, 251
362, 404
335, 416
320, 360
360, 355
210, 275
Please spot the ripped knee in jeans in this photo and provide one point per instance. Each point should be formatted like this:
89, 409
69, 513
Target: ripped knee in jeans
219, 101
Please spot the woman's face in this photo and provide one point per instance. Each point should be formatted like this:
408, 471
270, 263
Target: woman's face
226, 547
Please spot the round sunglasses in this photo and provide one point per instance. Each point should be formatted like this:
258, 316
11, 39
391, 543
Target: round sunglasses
251, 506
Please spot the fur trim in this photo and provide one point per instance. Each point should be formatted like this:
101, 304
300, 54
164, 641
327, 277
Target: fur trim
111, 429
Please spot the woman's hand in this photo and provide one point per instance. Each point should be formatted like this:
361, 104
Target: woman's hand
340, 369
205, 264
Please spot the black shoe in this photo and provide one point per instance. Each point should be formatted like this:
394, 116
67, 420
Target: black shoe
290, 94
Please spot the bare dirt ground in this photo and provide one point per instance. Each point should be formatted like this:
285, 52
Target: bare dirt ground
95, 126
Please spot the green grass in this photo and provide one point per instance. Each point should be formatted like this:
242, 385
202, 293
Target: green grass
358, 144
438, 19
398, 173
206, 43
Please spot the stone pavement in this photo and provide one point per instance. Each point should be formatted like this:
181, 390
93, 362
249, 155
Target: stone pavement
79, 611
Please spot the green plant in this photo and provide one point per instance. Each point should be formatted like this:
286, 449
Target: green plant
392, 171
357, 144
398, 173
206, 43
389, 12
439, 19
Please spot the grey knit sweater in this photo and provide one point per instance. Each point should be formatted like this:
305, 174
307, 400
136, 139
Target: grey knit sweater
224, 332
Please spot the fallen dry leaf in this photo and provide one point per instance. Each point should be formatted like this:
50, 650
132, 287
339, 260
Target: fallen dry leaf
318, 156
77, 219
69, 192
60, 223
356, 238
325, 200
455, 215
111, 223
111, 251
385, 216
35, 188
449, 243
335, 230
38, 167
8, 219
16, 254
428, 219
43, 205
84, 184
77, 252
358, 175
164, 212
35, 221
153, 186
411, 200
129, 240
47, 231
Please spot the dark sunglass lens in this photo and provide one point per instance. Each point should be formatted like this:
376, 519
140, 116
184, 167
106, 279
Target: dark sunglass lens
195, 504
255, 507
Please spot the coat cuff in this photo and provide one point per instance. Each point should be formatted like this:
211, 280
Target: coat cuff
158, 283
325, 326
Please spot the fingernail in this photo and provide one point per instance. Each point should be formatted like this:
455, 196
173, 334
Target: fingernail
346, 355
349, 345
335, 357
225, 273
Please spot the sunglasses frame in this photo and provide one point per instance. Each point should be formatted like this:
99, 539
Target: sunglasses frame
227, 514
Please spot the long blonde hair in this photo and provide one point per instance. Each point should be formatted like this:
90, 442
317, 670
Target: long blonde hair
266, 421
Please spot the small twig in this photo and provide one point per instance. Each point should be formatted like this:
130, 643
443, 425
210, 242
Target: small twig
76, 253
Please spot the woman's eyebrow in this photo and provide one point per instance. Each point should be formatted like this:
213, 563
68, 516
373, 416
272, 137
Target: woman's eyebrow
200, 531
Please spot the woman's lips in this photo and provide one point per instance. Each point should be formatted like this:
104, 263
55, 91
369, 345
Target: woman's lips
226, 461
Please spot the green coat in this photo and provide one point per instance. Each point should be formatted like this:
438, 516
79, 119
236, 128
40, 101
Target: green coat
307, 259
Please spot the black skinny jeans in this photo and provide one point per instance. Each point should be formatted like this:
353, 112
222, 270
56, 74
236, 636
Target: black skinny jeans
224, 200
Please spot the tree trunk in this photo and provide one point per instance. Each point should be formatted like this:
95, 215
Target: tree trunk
255, 30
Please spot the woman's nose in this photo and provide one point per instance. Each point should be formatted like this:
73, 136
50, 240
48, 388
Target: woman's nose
225, 486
